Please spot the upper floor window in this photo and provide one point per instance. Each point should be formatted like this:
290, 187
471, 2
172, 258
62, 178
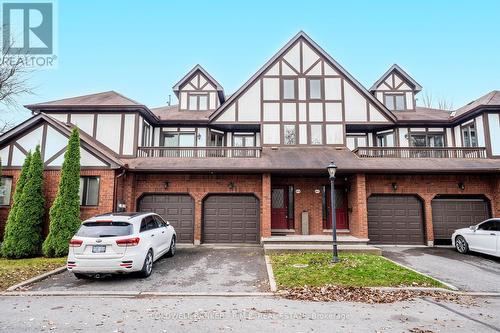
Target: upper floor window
314, 90
395, 102
385, 139
146, 132
243, 140
289, 88
469, 135
427, 140
179, 139
216, 139
5, 189
198, 102
89, 191
290, 134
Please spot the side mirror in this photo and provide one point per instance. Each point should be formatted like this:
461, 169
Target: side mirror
473, 227
167, 223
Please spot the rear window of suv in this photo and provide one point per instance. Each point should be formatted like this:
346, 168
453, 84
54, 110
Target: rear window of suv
105, 229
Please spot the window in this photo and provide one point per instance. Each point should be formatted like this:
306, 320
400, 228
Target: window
178, 140
355, 141
148, 223
427, 140
395, 102
146, 135
316, 134
216, 139
469, 137
243, 140
5, 189
385, 139
290, 134
105, 229
315, 89
488, 225
89, 191
291, 202
289, 88
198, 102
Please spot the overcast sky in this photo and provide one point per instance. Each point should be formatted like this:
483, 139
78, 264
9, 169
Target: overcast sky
142, 48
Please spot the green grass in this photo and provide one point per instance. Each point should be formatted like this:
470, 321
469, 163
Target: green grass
13, 271
357, 270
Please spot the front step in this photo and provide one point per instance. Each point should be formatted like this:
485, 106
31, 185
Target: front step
315, 240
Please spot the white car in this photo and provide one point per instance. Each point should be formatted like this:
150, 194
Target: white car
484, 238
120, 243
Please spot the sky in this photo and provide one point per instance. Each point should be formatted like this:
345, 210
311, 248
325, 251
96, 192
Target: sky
142, 48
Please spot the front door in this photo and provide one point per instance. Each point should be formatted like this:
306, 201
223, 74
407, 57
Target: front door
279, 208
341, 208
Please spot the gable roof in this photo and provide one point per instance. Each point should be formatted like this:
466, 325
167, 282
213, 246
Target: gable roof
171, 115
107, 98
401, 72
86, 141
491, 99
190, 74
328, 58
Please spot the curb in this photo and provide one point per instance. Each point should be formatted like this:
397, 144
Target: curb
270, 274
136, 294
452, 287
36, 278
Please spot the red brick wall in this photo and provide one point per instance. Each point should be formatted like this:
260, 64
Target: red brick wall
51, 182
198, 186
428, 186
356, 200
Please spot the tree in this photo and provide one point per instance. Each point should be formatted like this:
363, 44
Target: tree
65, 211
26, 235
9, 243
442, 103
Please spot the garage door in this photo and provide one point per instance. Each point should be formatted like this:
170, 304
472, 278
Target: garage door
230, 219
395, 219
451, 214
178, 209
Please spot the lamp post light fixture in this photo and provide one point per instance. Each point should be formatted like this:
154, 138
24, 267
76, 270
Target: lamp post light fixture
332, 168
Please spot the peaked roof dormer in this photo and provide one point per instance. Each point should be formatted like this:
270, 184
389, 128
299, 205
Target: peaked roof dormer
392, 83
198, 80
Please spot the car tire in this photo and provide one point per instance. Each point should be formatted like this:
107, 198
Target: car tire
81, 276
147, 267
461, 244
172, 249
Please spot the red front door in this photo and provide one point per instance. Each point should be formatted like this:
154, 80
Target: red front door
341, 208
279, 208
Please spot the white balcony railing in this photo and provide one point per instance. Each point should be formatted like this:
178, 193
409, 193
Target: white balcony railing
421, 152
200, 152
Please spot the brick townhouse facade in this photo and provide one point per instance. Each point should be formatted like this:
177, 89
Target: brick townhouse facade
240, 168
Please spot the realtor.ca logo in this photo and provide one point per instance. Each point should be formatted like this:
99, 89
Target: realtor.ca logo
28, 34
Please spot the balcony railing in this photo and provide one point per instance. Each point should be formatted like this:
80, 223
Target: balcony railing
199, 152
421, 152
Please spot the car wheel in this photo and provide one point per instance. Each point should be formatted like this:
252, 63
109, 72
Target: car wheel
80, 276
171, 251
147, 267
461, 244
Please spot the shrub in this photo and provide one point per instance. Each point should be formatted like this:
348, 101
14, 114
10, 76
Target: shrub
26, 235
9, 243
65, 211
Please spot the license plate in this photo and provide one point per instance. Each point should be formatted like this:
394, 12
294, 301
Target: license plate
98, 248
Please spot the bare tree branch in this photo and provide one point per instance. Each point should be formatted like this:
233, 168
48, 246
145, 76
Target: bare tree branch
442, 103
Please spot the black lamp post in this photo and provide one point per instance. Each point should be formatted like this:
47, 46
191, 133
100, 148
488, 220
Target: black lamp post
332, 168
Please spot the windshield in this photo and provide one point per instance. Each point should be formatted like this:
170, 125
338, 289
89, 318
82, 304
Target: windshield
104, 229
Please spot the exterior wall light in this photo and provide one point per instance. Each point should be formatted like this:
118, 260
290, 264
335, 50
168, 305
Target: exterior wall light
166, 184
231, 185
461, 186
394, 186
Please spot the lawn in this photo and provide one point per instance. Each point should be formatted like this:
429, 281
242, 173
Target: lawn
357, 270
13, 271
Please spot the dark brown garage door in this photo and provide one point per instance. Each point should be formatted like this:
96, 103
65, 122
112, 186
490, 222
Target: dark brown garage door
231, 219
451, 214
395, 219
178, 209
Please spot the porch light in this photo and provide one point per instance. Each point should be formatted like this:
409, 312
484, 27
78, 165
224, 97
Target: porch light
461, 186
332, 169
394, 186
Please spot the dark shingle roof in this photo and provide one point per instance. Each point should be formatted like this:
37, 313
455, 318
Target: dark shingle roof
107, 98
490, 99
172, 113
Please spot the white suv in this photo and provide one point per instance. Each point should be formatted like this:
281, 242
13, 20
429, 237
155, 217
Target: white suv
120, 243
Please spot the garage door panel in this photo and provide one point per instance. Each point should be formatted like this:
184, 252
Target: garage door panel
230, 219
177, 209
395, 219
455, 213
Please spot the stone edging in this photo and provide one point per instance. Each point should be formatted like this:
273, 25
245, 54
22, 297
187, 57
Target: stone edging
270, 274
36, 278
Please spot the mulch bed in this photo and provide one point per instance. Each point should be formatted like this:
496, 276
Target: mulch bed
333, 293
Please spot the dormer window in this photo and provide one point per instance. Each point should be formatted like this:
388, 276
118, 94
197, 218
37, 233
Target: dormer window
314, 91
395, 102
198, 102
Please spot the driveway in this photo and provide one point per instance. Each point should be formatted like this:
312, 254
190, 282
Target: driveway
194, 269
470, 272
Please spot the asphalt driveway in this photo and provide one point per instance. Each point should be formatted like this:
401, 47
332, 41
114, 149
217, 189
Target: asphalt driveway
470, 272
195, 269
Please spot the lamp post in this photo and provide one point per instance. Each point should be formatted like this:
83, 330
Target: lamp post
332, 168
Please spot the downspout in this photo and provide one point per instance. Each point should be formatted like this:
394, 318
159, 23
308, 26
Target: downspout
115, 189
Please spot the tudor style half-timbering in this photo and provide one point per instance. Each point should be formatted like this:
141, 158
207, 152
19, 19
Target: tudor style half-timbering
250, 165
